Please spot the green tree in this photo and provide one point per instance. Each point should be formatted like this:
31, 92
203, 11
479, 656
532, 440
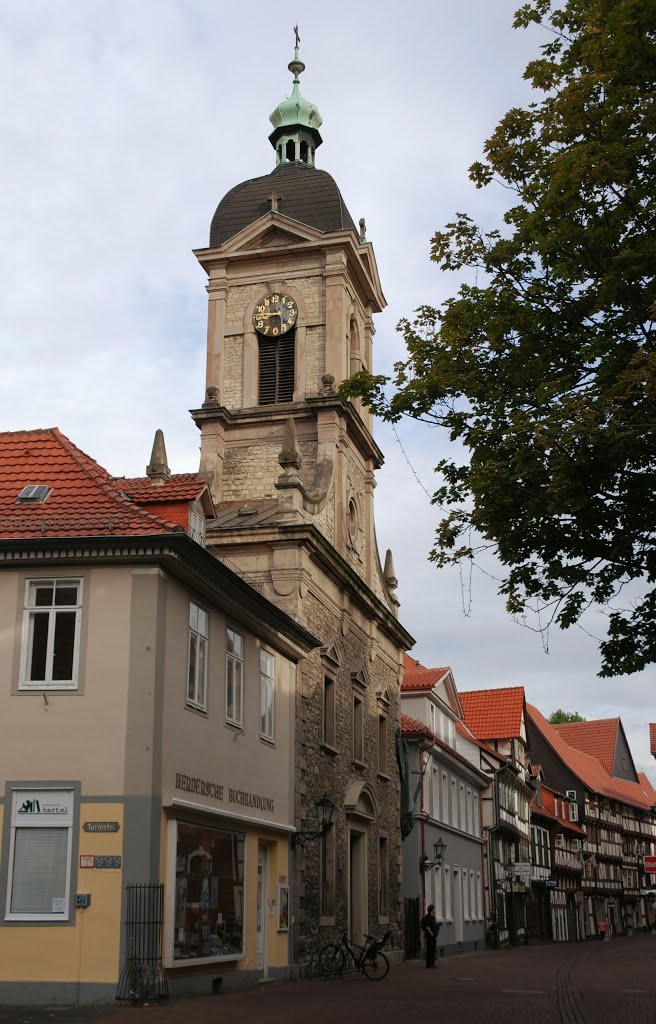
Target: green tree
560, 717
545, 371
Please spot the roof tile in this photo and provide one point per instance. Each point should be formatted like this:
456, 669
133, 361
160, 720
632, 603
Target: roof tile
597, 738
494, 714
417, 677
179, 487
83, 500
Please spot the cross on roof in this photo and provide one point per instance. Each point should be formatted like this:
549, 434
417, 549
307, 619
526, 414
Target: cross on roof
274, 199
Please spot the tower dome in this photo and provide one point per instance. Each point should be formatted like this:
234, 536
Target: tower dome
295, 121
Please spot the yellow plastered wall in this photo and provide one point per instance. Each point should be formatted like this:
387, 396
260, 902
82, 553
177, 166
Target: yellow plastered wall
87, 951
277, 941
278, 865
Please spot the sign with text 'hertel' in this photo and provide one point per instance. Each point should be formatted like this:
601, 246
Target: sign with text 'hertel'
649, 865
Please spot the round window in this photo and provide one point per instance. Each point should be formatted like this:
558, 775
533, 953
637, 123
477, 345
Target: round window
353, 521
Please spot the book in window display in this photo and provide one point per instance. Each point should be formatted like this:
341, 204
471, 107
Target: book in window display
209, 893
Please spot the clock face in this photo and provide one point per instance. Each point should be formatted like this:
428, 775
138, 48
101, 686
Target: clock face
275, 314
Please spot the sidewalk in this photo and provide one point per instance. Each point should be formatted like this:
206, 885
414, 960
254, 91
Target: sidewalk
583, 983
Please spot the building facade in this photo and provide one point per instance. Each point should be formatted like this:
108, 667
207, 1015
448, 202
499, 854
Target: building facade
293, 288
615, 806
147, 721
497, 717
443, 861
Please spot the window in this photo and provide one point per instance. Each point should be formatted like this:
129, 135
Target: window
38, 885
465, 894
267, 693
276, 369
329, 711
197, 526
382, 743
328, 873
472, 896
434, 796
51, 634
197, 671
447, 892
454, 807
357, 728
383, 877
463, 808
209, 894
479, 897
445, 798
234, 677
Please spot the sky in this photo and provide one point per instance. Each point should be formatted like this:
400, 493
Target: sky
124, 122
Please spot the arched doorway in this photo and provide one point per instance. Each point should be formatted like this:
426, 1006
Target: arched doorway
361, 811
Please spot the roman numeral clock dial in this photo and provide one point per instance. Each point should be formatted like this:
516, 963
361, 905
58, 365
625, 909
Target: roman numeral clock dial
275, 314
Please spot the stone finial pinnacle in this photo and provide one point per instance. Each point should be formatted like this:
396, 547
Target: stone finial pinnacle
391, 582
290, 454
158, 468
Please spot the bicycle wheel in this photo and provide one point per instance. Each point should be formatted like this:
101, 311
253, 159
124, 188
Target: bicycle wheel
331, 959
375, 966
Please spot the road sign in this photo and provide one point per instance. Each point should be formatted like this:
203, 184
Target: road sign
649, 864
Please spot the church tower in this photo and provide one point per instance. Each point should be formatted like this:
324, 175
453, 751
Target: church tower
293, 288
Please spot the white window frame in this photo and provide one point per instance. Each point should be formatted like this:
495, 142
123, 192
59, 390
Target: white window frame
40, 820
196, 526
198, 700
267, 685
479, 896
447, 893
29, 610
235, 660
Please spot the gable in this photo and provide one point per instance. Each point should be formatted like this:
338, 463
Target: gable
623, 766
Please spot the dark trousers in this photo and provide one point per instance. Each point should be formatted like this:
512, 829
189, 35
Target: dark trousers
431, 946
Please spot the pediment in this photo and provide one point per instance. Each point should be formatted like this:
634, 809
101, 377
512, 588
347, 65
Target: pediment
270, 231
383, 696
359, 675
331, 656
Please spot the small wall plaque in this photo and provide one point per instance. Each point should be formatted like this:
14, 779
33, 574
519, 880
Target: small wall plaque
108, 862
82, 899
101, 826
87, 860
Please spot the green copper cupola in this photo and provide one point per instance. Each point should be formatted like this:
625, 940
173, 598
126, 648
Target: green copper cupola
295, 121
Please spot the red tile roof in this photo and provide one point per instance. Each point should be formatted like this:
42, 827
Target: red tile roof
647, 787
417, 677
468, 735
548, 810
83, 500
411, 727
652, 737
494, 714
145, 490
597, 738
589, 769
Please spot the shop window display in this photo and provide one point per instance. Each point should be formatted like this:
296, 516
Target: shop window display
209, 893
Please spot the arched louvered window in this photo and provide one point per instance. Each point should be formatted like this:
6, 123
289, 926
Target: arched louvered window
276, 370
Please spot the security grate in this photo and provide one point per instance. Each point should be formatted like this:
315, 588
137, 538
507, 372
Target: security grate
143, 979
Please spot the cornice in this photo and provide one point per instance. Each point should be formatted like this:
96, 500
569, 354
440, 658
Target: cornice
183, 558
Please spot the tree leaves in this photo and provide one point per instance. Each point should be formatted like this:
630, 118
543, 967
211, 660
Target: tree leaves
547, 371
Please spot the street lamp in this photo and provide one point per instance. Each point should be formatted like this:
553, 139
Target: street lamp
439, 849
324, 808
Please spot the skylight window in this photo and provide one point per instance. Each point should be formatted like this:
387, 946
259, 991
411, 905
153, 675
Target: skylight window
34, 494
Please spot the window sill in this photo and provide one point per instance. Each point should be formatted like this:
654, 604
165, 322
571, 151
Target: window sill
196, 708
269, 741
384, 777
328, 748
47, 688
383, 920
326, 922
357, 764
234, 726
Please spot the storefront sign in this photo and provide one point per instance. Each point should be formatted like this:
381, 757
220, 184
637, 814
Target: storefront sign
551, 883
101, 826
521, 868
649, 865
108, 862
239, 797
36, 803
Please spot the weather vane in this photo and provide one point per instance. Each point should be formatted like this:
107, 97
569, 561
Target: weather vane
298, 38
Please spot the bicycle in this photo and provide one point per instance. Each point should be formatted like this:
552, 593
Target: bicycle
339, 958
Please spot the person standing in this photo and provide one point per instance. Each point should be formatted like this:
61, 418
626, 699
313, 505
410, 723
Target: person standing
431, 930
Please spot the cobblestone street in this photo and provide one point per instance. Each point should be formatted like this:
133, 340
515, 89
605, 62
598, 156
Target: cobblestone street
591, 983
